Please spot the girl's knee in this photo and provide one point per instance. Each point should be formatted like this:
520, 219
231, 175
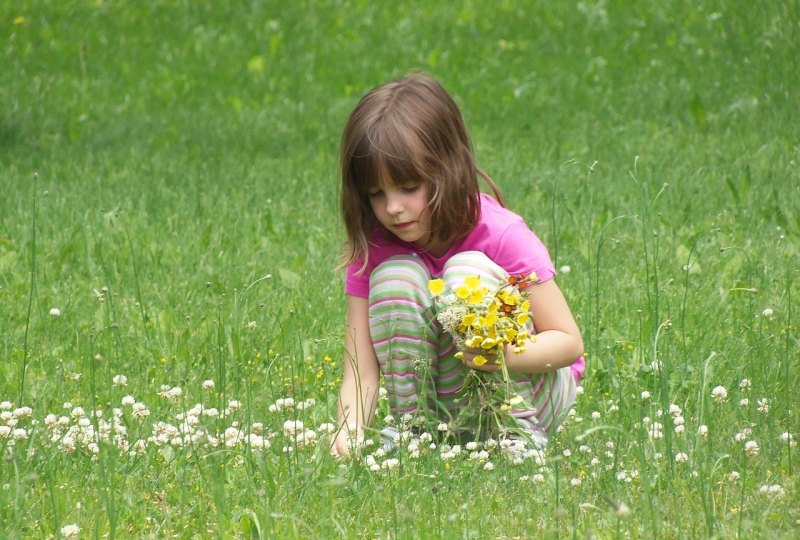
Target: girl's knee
406, 271
471, 263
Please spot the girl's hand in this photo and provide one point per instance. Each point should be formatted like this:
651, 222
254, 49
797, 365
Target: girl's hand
490, 366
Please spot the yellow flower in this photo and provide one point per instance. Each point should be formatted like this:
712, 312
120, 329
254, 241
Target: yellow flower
472, 282
459, 355
526, 305
489, 320
19, 20
474, 342
479, 360
475, 297
488, 343
436, 286
462, 292
522, 318
468, 319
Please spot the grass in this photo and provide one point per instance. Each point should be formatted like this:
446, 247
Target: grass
160, 159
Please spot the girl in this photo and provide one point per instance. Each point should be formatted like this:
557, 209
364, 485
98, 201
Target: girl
413, 211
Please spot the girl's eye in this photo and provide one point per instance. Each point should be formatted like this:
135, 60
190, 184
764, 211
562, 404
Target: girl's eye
373, 194
411, 189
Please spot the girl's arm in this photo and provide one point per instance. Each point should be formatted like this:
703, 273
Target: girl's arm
557, 343
359, 392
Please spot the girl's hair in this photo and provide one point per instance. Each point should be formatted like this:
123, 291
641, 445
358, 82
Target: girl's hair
409, 130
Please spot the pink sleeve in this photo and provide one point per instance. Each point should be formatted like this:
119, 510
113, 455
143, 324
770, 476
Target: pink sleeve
519, 251
356, 284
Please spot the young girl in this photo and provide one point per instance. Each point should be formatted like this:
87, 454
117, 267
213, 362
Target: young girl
413, 212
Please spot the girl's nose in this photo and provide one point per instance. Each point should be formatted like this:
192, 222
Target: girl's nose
393, 205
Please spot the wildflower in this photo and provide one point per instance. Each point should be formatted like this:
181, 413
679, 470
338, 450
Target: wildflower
789, 439
773, 490
443, 427
719, 394
208, 385
120, 380
744, 402
763, 405
621, 510
390, 463
745, 384
55, 312
70, 531
751, 448
565, 269
22, 412
767, 313
436, 287
488, 466
128, 400
596, 415
645, 395
681, 457
734, 476
702, 430
575, 481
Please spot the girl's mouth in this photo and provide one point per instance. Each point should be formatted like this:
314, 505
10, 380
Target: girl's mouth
402, 226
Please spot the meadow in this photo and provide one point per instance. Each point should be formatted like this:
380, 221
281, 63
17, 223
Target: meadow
171, 313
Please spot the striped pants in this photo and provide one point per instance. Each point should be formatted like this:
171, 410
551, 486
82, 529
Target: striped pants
416, 356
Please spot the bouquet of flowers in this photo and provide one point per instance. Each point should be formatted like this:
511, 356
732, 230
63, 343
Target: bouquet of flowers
487, 321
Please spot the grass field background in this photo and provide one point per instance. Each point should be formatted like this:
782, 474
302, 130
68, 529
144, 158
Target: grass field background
169, 213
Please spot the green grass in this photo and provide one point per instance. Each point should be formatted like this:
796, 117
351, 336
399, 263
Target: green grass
158, 159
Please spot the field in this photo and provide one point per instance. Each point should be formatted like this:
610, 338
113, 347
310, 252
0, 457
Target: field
170, 234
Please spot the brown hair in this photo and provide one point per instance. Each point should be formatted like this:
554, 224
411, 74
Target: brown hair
409, 130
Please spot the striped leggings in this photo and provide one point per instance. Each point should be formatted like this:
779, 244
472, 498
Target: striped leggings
416, 356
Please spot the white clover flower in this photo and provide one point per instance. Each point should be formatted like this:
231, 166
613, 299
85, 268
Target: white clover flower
55, 312
745, 384
382, 393
471, 446
773, 490
596, 415
70, 531
733, 476
681, 457
675, 410
575, 481
252, 325
6, 405
702, 430
621, 510
22, 412
744, 402
234, 405
128, 400
5, 431
789, 439
208, 384
488, 466
140, 410
751, 448
767, 312
120, 380
763, 405
565, 269
537, 478
719, 393
390, 463
567, 452
679, 429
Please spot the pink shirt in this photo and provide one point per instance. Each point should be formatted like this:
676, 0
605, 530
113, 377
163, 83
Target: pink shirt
500, 234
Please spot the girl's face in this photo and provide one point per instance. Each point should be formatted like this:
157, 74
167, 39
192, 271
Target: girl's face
403, 209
